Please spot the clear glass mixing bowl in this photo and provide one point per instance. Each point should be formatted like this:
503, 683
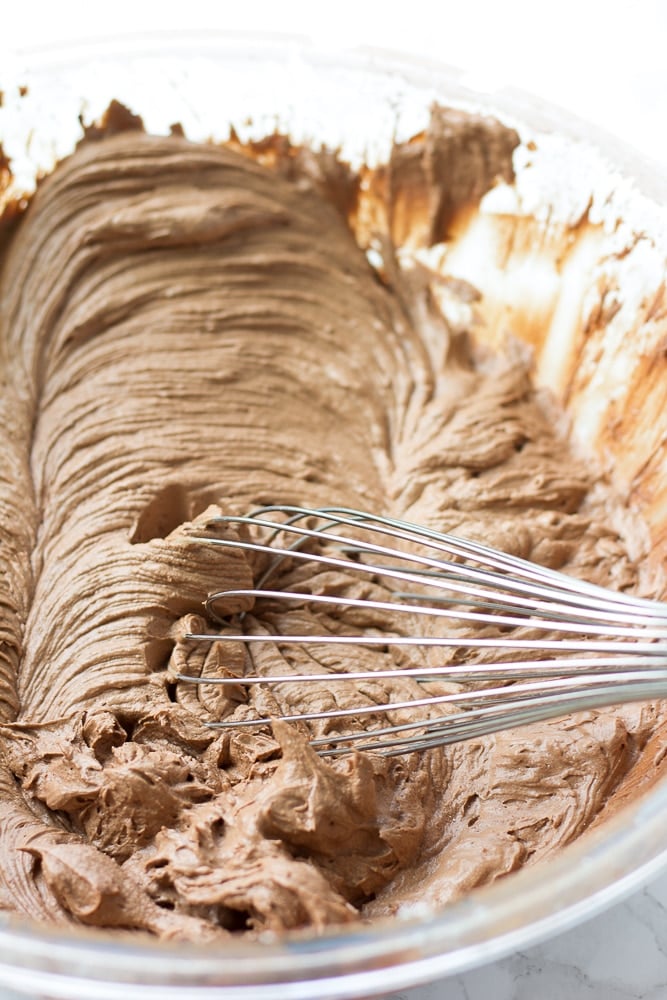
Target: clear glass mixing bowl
358, 101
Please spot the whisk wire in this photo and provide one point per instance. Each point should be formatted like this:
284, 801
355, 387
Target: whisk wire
618, 641
515, 592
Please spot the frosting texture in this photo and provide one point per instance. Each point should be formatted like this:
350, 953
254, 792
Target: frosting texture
185, 331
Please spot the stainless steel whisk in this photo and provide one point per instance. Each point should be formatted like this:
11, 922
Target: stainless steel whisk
616, 643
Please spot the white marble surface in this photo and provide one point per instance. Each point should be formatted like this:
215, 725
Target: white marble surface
602, 59
619, 955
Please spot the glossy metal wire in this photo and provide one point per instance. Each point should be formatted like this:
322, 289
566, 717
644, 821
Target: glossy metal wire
618, 641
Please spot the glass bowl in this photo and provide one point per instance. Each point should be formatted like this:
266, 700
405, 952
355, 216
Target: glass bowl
358, 101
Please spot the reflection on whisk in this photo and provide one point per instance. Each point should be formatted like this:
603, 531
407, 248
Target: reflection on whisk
616, 643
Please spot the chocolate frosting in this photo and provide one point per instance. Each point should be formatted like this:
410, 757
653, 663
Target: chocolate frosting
184, 330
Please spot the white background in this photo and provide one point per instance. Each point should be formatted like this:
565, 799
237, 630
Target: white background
603, 59
607, 62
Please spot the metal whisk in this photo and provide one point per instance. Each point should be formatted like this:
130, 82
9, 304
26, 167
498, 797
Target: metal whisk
611, 647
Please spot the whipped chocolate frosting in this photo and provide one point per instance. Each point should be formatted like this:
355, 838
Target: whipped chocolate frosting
185, 330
